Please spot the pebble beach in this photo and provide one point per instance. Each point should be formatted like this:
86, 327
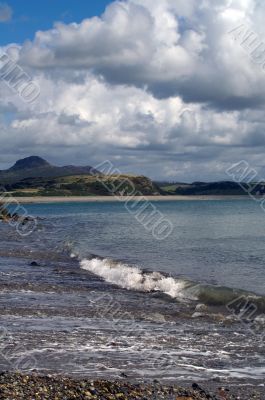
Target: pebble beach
14, 386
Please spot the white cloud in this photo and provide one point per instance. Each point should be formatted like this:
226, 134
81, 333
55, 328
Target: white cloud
160, 87
166, 47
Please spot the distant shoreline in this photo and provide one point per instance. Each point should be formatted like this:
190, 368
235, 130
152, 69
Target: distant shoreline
91, 199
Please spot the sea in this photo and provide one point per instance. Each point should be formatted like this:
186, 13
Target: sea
92, 292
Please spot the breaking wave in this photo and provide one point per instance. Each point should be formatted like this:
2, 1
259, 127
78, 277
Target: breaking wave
133, 278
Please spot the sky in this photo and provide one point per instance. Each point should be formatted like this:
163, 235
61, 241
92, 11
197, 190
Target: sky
28, 17
172, 89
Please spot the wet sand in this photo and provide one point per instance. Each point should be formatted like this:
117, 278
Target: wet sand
85, 199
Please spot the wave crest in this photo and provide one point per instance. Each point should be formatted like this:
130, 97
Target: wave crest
133, 278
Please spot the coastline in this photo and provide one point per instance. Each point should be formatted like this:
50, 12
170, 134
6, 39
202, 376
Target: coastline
92, 199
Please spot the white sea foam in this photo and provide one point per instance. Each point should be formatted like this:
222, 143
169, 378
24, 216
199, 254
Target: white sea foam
133, 278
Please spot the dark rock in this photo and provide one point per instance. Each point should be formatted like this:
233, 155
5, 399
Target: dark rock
195, 386
34, 264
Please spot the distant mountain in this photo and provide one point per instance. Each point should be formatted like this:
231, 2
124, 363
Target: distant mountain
34, 166
33, 176
36, 176
29, 162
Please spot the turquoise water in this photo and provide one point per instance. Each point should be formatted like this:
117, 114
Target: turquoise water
213, 242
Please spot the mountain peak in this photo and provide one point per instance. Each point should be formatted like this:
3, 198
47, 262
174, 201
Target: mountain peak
30, 162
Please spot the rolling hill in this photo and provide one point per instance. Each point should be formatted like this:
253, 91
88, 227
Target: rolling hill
222, 188
34, 176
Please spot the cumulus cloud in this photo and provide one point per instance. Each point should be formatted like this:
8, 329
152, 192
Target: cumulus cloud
161, 88
170, 49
